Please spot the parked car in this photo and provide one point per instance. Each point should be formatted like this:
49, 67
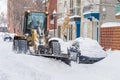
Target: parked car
7, 37
89, 50
74, 52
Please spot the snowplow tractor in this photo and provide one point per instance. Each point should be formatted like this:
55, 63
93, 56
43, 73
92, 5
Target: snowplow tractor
33, 33
34, 38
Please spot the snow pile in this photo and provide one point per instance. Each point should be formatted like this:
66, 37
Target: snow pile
90, 48
111, 24
26, 67
112, 58
15, 66
110, 66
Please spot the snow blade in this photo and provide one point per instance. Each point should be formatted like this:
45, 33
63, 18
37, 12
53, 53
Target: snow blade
65, 60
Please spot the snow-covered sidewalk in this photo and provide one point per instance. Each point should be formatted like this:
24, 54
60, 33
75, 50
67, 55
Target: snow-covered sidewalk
15, 66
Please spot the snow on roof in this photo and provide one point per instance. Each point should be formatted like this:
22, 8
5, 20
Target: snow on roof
75, 16
90, 12
117, 14
110, 24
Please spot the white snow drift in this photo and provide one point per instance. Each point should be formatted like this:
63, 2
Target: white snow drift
15, 66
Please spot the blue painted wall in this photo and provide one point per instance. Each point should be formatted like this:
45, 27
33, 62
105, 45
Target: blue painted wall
77, 28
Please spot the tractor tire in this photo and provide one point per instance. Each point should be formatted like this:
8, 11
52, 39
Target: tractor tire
56, 50
22, 46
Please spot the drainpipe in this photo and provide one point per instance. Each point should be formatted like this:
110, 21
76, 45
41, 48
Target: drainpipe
82, 18
100, 20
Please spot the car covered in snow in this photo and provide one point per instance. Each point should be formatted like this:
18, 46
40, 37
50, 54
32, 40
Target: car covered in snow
7, 37
90, 51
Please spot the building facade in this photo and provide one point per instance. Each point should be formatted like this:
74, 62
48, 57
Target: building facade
68, 19
108, 11
16, 11
110, 28
90, 18
52, 17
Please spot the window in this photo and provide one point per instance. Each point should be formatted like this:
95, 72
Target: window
71, 7
71, 3
78, 3
75, 8
65, 3
75, 44
36, 19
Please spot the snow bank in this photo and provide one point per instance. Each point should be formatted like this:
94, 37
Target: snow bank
88, 47
111, 24
112, 58
110, 66
15, 66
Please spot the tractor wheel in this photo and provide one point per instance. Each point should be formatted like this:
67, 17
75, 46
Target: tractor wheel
55, 47
22, 46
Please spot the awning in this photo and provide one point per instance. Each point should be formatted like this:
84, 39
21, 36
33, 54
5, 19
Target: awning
89, 15
75, 18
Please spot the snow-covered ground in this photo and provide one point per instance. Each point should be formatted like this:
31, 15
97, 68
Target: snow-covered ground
15, 66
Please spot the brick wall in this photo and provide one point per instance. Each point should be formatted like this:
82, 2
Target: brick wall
110, 37
52, 5
16, 9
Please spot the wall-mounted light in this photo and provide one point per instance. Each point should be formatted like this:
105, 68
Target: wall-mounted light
104, 9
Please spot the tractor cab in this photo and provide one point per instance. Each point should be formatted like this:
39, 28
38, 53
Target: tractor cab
36, 21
